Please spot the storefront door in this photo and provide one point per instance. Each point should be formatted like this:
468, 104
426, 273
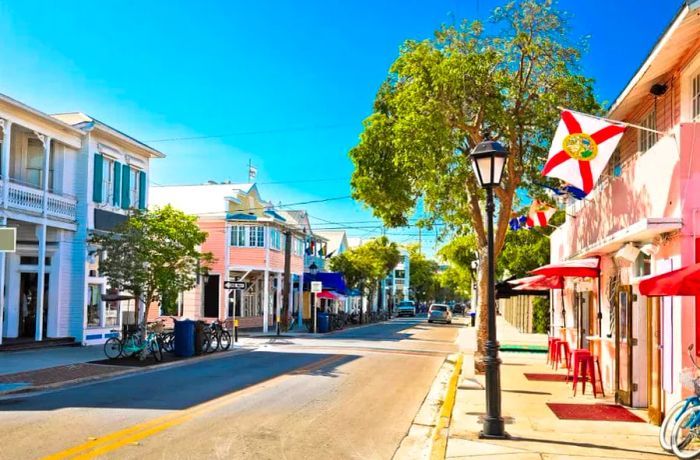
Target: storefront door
623, 346
27, 303
654, 360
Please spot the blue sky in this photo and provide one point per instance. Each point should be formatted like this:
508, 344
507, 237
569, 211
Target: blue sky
292, 81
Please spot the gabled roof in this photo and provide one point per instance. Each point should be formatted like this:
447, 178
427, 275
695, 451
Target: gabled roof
199, 199
335, 238
668, 54
87, 123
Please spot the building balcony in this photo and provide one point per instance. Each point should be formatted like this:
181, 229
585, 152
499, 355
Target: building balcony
24, 198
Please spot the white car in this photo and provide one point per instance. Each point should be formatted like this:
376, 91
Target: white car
406, 307
440, 312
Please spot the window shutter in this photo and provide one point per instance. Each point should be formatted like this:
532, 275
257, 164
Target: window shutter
126, 186
142, 190
117, 183
97, 176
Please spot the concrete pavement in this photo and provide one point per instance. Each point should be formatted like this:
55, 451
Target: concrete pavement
350, 395
534, 429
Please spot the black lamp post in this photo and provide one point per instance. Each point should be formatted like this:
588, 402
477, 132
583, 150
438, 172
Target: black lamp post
313, 269
489, 159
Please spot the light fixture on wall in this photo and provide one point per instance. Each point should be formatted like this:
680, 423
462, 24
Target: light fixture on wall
627, 253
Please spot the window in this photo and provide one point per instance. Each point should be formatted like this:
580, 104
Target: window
134, 187
647, 139
615, 165
696, 97
275, 239
94, 305
34, 174
107, 180
298, 247
248, 236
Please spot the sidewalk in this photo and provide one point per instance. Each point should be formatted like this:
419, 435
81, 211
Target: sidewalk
535, 431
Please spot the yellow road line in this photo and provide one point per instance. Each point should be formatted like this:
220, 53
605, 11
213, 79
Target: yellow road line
143, 430
439, 447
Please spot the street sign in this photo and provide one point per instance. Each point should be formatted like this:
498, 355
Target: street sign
8, 239
316, 286
234, 285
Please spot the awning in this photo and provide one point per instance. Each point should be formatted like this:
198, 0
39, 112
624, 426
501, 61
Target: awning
332, 281
542, 283
326, 295
525, 280
504, 290
684, 281
576, 268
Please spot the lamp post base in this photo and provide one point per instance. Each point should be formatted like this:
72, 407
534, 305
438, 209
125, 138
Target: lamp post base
503, 434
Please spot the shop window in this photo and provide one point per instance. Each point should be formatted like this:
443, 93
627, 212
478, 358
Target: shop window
642, 266
94, 305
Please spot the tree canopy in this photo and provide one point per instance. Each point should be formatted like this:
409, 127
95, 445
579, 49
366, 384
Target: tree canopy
423, 275
153, 254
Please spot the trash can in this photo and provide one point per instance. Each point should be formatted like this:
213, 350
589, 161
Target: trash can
323, 322
472, 314
184, 338
198, 337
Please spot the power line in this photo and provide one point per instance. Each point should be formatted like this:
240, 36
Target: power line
281, 205
252, 133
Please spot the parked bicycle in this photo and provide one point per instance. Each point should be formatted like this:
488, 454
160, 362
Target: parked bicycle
132, 344
221, 336
680, 430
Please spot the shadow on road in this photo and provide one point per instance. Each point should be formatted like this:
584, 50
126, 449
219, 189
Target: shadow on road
178, 388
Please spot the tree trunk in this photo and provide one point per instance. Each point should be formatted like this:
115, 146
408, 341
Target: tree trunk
482, 332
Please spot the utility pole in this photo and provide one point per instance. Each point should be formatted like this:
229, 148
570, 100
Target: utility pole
287, 278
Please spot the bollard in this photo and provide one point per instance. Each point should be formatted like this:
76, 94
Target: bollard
235, 331
278, 326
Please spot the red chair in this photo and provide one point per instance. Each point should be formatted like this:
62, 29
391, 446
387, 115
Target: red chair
562, 351
550, 348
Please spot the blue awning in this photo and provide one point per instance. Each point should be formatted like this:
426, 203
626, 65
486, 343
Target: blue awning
332, 281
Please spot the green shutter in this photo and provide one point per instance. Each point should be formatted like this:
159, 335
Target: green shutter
97, 174
126, 186
142, 190
117, 183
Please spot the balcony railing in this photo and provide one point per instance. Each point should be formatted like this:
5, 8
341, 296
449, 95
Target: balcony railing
24, 198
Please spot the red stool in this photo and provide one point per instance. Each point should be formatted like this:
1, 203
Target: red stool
553, 349
582, 364
550, 348
563, 349
595, 363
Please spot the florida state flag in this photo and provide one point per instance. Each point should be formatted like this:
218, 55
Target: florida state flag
581, 149
539, 214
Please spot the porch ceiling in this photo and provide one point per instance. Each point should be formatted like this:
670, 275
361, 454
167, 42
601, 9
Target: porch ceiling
643, 231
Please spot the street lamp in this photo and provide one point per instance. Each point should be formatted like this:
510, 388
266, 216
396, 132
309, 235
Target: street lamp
313, 268
489, 159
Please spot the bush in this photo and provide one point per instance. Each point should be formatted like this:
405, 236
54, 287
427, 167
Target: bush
540, 315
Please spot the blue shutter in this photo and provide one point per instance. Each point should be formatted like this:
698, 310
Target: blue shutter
117, 183
126, 187
142, 190
97, 175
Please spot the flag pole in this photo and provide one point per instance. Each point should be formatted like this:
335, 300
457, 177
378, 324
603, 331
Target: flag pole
618, 122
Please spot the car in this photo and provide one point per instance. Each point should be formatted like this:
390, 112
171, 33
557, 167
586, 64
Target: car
458, 309
439, 312
406, 307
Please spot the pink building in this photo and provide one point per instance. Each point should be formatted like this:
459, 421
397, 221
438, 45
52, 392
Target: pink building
247, 238
641, 220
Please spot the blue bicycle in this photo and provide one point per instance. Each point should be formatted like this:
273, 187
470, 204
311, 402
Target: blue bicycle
683, 419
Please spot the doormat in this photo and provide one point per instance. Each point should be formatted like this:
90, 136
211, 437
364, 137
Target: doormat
547, 377
598, 412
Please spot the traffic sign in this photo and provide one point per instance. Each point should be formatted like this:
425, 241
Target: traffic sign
234, 285
316, 286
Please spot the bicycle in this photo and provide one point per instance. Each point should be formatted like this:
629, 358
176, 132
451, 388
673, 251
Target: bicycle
684, 417
133, 344
221, 335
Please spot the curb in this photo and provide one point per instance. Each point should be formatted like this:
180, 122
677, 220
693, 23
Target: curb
35, 390
439, 447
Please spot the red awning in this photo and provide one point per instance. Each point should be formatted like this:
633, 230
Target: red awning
684, 281
583, 268
326, 295
527, 279
542, 283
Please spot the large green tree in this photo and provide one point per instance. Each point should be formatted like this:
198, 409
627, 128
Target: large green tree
365, 266
506, 80
423, 274
152, 255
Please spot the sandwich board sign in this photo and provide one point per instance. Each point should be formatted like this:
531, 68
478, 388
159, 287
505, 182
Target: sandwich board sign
8, 239
316, 286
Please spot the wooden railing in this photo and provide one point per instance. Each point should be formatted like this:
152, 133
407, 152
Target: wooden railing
25, 198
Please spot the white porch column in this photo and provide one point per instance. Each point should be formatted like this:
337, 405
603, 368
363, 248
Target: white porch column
6, 126
266, 299
227, 268
42, 240
300, 293
278, 296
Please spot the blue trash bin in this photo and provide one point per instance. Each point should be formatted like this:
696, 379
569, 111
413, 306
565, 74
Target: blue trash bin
323, 322
473, 317
184, 338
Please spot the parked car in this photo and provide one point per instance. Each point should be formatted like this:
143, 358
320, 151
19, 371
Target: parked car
439, 312
406, 307
458, 309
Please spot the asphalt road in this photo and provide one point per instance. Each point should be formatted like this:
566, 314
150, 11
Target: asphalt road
349, 395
